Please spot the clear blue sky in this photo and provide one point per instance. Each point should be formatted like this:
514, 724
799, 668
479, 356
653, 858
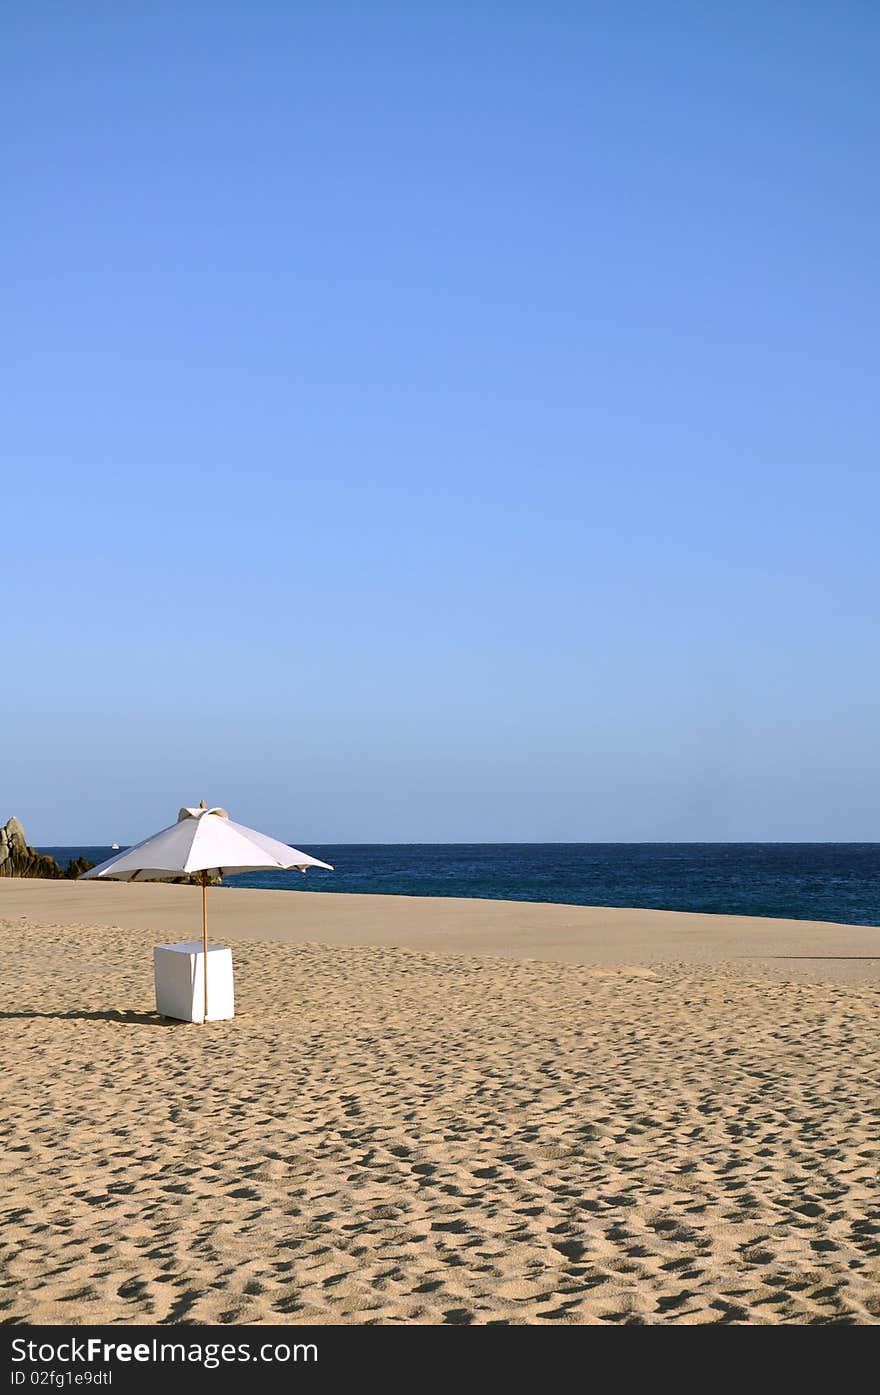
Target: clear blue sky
441, 421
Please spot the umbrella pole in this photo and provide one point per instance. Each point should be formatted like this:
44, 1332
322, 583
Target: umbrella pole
205, 935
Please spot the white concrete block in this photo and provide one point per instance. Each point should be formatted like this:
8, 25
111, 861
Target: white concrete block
180, 983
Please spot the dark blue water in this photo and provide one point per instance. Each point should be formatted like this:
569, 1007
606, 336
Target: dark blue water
805, 881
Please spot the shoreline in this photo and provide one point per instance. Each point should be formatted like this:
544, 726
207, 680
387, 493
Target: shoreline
539, 930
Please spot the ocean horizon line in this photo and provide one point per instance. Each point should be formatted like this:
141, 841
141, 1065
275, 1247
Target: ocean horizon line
545, 843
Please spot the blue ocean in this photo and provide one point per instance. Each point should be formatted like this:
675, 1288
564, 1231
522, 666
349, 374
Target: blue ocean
805, 881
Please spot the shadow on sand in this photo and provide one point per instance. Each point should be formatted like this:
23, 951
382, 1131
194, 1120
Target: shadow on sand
131, 1019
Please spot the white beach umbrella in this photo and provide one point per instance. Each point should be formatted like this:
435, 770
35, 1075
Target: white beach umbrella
206, 842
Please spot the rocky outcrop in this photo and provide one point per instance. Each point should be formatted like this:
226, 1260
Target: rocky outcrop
76, 866
19, 860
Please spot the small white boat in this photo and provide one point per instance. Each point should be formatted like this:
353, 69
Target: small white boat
114, 846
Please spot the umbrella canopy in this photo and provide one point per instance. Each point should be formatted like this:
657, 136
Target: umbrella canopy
203, 840
207, 842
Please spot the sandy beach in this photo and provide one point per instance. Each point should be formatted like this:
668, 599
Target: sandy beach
436, 1111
